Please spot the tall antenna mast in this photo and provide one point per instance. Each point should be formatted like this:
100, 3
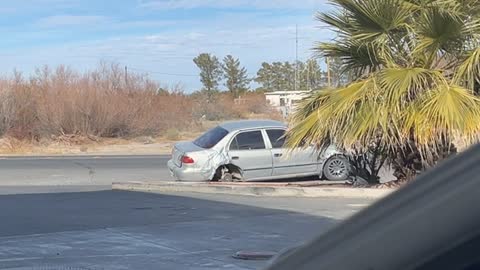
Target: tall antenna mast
296, 55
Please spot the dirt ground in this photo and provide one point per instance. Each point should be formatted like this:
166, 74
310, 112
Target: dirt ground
90, 145
79, 145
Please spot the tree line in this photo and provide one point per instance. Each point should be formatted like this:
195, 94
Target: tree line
273, 76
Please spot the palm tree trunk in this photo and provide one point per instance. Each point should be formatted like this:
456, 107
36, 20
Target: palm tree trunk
407, 163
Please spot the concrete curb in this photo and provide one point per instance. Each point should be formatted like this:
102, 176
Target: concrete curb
254, 189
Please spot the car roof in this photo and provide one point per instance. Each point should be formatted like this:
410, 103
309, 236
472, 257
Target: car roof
249, 124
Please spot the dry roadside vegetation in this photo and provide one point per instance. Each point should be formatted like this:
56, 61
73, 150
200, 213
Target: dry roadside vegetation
64, 111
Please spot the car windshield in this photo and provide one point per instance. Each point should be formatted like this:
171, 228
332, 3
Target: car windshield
210, 138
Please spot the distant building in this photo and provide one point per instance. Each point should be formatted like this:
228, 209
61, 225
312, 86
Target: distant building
285, 101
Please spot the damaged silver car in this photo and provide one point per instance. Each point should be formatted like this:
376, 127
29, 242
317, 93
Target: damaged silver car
252, 150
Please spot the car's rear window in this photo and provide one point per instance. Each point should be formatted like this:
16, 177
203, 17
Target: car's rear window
210, 138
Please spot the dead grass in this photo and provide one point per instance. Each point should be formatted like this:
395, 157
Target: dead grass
90, 145
99, 103
62, 110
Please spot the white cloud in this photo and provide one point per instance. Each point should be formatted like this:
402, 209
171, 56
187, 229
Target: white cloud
71, 20
260, 4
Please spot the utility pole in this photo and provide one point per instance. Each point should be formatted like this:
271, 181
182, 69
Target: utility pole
296, 55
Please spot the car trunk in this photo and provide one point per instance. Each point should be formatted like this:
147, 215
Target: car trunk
179, 150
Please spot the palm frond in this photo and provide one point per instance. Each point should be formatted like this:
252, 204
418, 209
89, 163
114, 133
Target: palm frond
439, 30
357, 57
339, 22
376, 22
459, 7
310, 104
402, 85
337, 111
448, 111
468, 72
372, 18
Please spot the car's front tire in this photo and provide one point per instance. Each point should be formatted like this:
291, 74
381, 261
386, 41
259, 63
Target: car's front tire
336, 168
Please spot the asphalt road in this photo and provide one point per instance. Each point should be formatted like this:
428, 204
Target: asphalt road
82, 170
128, 230
88, 170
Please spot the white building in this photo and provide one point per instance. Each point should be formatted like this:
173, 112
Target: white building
285, 101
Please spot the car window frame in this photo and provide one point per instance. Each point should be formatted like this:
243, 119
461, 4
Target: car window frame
270, 141
234, 138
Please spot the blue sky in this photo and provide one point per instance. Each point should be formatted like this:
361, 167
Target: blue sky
159, 37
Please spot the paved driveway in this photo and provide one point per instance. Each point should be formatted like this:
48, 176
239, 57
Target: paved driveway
124, 230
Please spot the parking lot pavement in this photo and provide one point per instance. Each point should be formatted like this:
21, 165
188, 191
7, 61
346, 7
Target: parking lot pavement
124, 230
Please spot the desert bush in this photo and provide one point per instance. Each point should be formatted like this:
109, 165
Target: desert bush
7, 108
101, 102
104, 103
255, 104
213, 108
225, 107
172, 134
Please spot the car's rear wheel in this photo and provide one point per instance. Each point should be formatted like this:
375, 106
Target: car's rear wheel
227, 173
227, 177
336, 168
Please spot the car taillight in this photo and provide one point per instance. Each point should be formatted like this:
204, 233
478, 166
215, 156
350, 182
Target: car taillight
187, 160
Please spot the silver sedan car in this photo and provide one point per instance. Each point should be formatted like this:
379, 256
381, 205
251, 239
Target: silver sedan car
252, 150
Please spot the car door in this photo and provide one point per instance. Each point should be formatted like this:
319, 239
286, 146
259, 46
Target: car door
297, 162
248, 151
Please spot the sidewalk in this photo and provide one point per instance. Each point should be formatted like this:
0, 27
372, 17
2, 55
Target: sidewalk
310, 189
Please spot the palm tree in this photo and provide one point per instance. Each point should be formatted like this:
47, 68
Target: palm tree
416, 69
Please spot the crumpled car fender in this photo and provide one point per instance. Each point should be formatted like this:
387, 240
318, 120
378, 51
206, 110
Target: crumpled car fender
215, 159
